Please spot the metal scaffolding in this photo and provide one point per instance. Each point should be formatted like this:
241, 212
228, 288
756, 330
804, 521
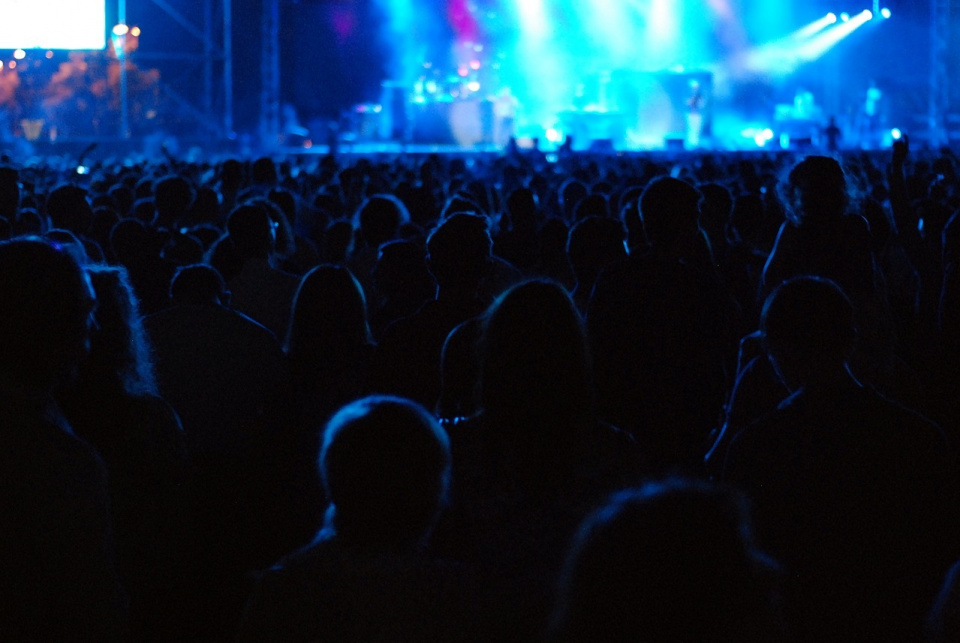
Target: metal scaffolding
213, 109
940, 90
270, 75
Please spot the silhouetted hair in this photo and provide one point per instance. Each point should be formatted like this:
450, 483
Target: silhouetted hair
118, 343
68, 208
329, 313
385, 464
173, 195
196, 284
9, 192
522, 207
816, 189
68, 242
534, 357
669, 562
669, 209
251, 231
45, 305
594, 243
264, 171
380, 217
809, 320
459, 248
130, 239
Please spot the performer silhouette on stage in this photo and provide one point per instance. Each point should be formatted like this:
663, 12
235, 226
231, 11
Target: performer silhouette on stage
870, 118
695, 116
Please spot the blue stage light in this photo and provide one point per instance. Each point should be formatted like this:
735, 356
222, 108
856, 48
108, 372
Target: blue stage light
885, 13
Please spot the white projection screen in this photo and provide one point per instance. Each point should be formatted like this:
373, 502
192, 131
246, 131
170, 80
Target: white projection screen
52, 24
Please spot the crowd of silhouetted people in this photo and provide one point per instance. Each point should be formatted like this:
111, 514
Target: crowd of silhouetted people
709, 397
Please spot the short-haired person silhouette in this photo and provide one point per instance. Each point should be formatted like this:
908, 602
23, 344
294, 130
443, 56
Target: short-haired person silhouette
672, 561
593, 244
402, 283
137, 248
377, 221
223, 373
662, 329
385, 464
853, 494
58, 580
260, 290
407, 361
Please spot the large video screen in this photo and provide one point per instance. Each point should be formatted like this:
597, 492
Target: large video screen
52, 24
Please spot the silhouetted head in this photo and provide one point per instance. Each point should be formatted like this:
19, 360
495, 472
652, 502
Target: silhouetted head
715, 210
46, 305
144, 210
459, 251
534, 357
571, 193
69, 243
379, 219
130, 240
593, 244
68, 208
231, 175
459, 203
592, 205
252, 232
329, 314
669, 209
9, 192
28, 223
808, 330
385, 464
123, 198
198, 285
671, 562
287, 203
173, 195
522, 208
264, 172
119, 347
816, 190
402, 267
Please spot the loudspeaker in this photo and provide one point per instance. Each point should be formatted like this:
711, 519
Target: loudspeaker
674, 143
602, 146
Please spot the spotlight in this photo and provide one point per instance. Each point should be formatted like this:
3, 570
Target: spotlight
19, 54
831, 17
885, 13
896, 134
120, 30
845, 16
